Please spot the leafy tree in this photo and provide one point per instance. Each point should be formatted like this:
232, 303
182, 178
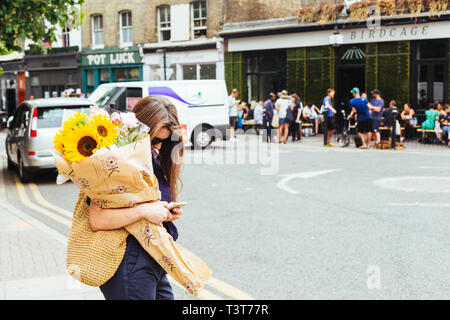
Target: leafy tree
35, 20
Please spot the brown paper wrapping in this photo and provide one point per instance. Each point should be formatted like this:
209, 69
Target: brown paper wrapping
123, 177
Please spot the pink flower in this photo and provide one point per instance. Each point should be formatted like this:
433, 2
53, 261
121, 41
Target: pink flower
116, 117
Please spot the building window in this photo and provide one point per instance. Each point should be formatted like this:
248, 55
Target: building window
199, 71
207, 71
66, 36
126, 29
190, 72
164, 23
127, 74
97, 31
90, 77
199, 19
104, 75
35, 81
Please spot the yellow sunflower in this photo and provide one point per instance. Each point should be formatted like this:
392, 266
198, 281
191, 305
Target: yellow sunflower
81, 143
58, 142
79, 119
105, 129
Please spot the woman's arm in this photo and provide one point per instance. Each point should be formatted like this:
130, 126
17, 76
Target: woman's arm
111, 219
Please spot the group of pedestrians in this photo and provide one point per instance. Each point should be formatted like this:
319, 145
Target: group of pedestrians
286, 113
282, 111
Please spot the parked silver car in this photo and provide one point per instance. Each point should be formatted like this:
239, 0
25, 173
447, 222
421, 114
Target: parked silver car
31, 132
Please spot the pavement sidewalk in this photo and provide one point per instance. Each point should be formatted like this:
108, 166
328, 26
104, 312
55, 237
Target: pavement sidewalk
32, 259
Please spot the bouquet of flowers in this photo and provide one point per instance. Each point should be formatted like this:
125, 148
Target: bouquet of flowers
109, 158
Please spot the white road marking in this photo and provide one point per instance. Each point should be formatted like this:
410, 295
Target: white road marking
421, 204
429, 184
283, 183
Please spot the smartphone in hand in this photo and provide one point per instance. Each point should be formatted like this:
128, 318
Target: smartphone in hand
177, 205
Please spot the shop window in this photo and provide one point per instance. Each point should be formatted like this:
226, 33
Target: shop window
158, 73
120, 74
207, 71
104, 75
97, 31
164, 23
199, 19
126, 29
127, 74
431, 49
90, 77
199, 71
70, 78
190, 72
35, 81
134, 74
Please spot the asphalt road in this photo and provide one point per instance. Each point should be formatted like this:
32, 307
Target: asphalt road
307, 222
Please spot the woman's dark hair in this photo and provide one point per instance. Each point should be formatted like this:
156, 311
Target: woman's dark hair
158, 112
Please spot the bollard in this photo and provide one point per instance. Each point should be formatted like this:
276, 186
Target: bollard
394, 128
325, 124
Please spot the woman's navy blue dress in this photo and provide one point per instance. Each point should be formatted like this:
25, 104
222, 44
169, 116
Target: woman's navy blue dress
139, 276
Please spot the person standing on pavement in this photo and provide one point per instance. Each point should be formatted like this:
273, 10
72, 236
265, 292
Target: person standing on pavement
376, 107
363, 118
233, 113
282, 105
295, 125
331, 112
268, 115
139, 276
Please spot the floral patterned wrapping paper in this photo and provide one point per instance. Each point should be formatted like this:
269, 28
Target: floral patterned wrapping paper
123, 177
115, 178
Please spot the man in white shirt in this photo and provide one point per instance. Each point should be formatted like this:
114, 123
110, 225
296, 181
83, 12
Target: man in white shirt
258, 116
233, 112
310, 114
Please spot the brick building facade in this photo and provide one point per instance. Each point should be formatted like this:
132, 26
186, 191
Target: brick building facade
183, 33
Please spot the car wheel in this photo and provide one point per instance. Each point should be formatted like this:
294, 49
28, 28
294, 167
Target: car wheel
202, 138
24, 174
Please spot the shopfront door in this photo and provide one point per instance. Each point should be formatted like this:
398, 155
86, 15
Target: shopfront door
266, 73
348, 77
429, 73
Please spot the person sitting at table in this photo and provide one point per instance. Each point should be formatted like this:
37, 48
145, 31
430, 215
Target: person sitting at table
242, 113
408, 119
431, 116
310, 115
444, 120
408, 116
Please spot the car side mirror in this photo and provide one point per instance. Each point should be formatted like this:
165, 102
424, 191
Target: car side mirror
8, 123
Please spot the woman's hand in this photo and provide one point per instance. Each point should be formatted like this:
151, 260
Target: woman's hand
155, 212
175, 212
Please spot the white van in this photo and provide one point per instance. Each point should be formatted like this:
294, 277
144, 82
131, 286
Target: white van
201, 104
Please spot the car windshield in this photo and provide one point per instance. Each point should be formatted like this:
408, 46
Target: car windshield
52, 117
102, 94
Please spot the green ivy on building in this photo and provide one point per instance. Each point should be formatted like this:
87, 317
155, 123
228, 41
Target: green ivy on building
311, 71
235, 73
387, 69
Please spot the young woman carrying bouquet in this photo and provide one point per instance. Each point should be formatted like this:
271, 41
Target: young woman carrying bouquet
127, 167
139, 276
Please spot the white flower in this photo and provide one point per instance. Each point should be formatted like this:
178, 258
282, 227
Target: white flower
129, 120
96, 110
